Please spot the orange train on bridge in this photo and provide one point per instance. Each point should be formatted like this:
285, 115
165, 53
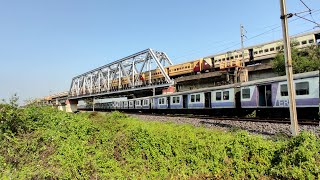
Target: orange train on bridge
183, 69
230, 59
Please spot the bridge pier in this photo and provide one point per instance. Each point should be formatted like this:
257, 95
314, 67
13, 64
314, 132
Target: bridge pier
71, 105
62, 107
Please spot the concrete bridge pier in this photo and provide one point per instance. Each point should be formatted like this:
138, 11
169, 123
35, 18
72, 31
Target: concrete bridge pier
71, 105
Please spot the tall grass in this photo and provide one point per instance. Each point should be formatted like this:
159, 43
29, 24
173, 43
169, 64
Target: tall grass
46, 143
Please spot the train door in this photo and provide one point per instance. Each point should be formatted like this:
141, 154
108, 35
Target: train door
185, 101
250, 55
168, 102
207, 98
265, 95
237, 97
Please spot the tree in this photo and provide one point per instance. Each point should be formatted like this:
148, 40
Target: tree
303, 60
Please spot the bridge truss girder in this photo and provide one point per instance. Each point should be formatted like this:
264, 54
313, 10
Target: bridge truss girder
111, 77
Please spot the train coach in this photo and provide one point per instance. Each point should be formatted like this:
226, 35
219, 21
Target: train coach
270, 96
266, 97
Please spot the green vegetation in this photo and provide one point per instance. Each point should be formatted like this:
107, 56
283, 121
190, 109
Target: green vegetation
303, 60
44, 143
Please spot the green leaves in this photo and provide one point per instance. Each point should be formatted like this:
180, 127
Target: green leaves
58, 145
303, 60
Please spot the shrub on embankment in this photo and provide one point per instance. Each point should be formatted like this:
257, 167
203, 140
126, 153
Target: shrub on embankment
41, 142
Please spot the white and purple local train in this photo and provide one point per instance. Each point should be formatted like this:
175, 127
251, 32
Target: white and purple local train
267, 97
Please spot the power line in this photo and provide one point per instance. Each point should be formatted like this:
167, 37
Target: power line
308, 20
263, 33
305, 5
310, 12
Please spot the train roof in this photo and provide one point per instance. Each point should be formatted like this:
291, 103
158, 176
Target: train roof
239, 50
281, 78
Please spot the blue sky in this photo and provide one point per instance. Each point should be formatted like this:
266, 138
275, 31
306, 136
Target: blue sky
43, 44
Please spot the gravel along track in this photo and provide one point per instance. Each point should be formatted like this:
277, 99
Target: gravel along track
264, 128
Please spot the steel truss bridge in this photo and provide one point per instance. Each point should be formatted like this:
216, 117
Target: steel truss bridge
123, 75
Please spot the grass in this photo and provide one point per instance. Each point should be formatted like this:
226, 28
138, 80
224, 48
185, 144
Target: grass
43, 143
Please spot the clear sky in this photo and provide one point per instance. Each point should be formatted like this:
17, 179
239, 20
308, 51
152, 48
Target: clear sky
43, 44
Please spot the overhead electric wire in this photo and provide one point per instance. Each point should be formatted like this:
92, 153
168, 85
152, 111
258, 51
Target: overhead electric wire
310, 12
305, 5
265, 32
308, 20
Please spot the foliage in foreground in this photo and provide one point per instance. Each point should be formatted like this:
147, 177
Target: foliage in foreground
47, 143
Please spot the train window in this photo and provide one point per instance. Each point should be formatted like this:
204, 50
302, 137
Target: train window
192, 98
261, 51
219, 60
240, 55
283, 90
161, 101
256, 52
198, 98
225, 95
311, 41
146, 102
223, 59
131, 103
304, 42
218, 96
266, 50
138, 102
236, 56
176, 100
246, 93
231, 57
302, 88
278, 48
272, 49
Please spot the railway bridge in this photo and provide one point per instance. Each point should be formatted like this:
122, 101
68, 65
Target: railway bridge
132, 76
141, 74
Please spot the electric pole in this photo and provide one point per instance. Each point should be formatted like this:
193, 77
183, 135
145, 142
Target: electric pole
242, 48
289, 73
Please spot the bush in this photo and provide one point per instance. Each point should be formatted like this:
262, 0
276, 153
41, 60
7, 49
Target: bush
59, 145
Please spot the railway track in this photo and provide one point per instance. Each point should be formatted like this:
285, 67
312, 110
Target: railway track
260, 120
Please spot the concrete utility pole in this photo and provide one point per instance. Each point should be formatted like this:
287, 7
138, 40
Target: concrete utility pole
289, 73
242, 48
